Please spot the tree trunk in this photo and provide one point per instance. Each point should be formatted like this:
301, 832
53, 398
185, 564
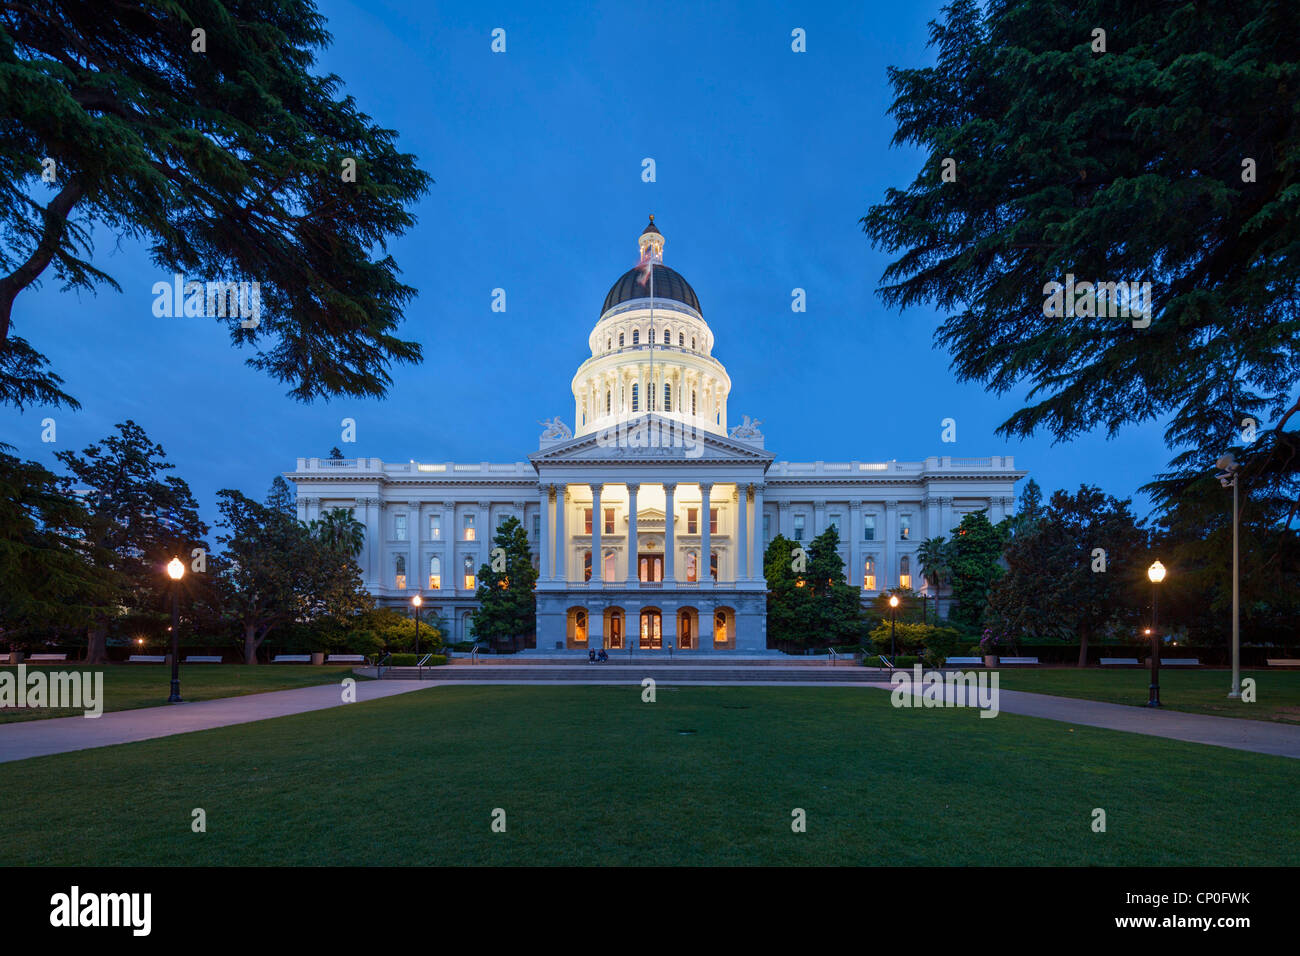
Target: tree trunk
1083, 648
250, 644
97, 643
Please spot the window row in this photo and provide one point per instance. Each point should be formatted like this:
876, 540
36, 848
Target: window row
636, 339
435, 573
692, 521
836, 519
650, 567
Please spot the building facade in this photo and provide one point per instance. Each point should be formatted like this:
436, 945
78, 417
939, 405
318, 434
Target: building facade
649, 519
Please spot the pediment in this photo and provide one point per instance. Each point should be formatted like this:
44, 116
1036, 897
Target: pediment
650, 439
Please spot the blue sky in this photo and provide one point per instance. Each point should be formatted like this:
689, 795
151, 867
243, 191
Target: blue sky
765, 159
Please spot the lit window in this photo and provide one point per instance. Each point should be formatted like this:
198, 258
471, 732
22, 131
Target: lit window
798, 527
469, 527
586, 565
636, 336
636, 396
691, 569
435, 573
609, 521
692, 520
400, 575
904, 527
869, 574
713, 521
469, 574
586, 521
868, 527
609, 566
435, 527
904, 572
713, 565
399, 527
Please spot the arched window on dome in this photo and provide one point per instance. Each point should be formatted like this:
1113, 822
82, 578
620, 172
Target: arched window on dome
609, 401
668, 337
692, 342
692, 401
668, 397
636, 336
620, 340
681, 339
635, 397
609, 344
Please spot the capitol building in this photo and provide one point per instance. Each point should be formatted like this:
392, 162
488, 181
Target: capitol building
649, 518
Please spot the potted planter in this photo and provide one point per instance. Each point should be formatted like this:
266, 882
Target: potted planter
990, 660
318, 657
15, 657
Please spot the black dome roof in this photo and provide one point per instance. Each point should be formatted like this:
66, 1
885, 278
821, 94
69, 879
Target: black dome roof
668, 285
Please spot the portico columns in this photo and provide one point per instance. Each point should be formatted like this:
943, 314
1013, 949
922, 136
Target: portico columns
633, 575
706, 548
742, 534
597, 526
561, 547
670, 539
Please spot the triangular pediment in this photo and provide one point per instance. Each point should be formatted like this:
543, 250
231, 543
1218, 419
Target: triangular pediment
650, 438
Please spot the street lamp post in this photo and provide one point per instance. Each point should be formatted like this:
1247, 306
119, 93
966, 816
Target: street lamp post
176, 571
1157, 574
893, 607
1228, 466
416, 602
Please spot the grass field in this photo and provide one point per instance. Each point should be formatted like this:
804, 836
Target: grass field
1195, 691
706, 775
128, 686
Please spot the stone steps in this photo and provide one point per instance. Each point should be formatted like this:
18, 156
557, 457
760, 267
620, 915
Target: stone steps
635, 673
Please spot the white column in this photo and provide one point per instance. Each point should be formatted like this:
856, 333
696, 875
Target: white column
888, 575
758, 546
742, 534
931, 518
451, 575
670, 538
561, 545
545, 547
414, 580
632, 546
706, 548
597, 526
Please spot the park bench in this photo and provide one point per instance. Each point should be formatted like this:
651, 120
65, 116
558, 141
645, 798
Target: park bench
346, 659
1180, 662
1120, 662
146, 659
47, 657
1283, 661
964, 660
1018, 660
203, 659
291, 659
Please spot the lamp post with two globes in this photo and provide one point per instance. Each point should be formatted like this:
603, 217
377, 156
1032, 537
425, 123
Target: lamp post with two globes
1157, 574
176, 571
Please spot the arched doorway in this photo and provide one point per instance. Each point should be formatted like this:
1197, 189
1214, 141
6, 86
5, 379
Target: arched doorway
724, 628
576, 629
651, 629
614, 625
688, 629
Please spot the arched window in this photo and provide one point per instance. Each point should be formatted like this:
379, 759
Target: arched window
869, 574
435, 573
636, 397
681, 339
609, 401
904, 572
620, 340
668, 339
469, 573
692, 568
692, 341
636, 336
668, 397
692, 401
609, 344
399, 568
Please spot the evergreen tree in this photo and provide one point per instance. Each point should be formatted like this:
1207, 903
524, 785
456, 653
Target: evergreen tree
1042, 143
789, 599
976, 548
507, 602
836, 610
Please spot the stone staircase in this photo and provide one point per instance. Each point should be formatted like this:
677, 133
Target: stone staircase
634, 671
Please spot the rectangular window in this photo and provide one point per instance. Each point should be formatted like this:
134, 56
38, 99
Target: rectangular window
399, 527
469, 574
537, 526
868, 527
835, 523
692, 520
586, 521
469, 527
904, 527
767, 529
609, 566
586, 565
435, 527
713, 565
713, 521
692, 562
435, 574
798, 527
609, 521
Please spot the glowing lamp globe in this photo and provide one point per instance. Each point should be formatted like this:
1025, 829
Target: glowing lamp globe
175, 570
1156, 573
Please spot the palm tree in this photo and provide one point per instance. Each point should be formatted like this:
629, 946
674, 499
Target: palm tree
934, 558
339, 529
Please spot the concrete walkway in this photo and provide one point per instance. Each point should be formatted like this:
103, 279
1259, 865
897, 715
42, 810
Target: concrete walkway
39, 738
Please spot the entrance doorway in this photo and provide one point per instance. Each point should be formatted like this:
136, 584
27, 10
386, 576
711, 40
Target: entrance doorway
652, 567
685, 633
614, 629
651, 630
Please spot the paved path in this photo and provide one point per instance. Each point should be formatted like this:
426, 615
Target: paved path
38, 738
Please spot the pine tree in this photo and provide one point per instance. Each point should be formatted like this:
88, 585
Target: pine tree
507, 603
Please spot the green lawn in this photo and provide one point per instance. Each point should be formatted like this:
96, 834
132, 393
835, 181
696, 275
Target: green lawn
128, 686
1277, 692
707, 775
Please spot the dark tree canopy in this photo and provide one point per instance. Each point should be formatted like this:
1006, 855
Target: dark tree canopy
231, 161
1128, 165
